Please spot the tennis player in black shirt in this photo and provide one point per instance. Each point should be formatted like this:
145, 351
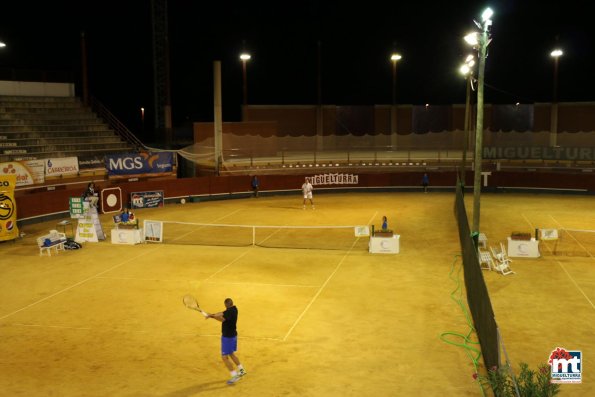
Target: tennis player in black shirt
229, 340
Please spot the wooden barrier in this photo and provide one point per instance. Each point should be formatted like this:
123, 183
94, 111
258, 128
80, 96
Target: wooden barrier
40, 201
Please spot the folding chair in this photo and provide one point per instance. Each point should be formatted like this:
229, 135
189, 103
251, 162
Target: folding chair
503, 261
485, 260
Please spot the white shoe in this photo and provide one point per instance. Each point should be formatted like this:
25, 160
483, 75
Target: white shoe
233, 380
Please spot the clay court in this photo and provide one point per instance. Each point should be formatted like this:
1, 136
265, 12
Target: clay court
108, 320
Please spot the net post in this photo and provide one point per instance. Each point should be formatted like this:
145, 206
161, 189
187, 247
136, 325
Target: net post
253, 236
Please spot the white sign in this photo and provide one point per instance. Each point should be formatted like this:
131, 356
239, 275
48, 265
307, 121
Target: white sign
549, 234
126, 236
61, 166
85, 231
362, 231
153, 231
334, 179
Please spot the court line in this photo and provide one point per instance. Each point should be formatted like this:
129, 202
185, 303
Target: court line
229, 264
574, 238
79, 283
324, 284
210, 282
120, 330
94, 276
266, 284
562, 266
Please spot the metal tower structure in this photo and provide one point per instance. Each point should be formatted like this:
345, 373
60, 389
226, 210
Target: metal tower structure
161, 82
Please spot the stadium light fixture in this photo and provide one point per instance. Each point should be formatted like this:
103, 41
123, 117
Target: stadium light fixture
472, 38
557, 53
466, 70
486, 16
245, 57
2, 44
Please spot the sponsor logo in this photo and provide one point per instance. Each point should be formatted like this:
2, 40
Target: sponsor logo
334, 179
566, 365
6, 207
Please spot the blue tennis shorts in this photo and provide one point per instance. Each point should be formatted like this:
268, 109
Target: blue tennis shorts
228, 345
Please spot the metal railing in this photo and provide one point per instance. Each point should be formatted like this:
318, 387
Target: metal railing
116, 124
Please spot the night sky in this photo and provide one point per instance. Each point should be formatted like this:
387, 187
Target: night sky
356, 40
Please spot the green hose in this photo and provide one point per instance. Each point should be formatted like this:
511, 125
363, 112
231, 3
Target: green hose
471, 348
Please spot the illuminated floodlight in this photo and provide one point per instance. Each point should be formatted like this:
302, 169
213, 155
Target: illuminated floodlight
395, 57
487, 14
2, 44
472, 38
464, 69
245, 56
556, 53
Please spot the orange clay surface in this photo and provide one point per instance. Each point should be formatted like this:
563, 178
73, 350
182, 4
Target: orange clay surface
108, 320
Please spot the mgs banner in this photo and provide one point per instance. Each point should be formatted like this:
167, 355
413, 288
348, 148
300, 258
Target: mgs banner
139, 164
8, 208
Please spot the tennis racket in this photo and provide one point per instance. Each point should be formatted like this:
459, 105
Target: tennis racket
191, 303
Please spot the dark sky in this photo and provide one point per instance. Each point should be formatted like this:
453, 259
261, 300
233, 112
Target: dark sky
356, 41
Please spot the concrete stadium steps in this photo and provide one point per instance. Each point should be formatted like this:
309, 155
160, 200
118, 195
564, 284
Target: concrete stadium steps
65, 153
70, 147
39, 102
52, 140
53, 128
9, 136
70, 114
40, 121
42, 127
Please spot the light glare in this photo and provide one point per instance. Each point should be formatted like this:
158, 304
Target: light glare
556, 53
472, 38
245, 57
487, 14
395, 57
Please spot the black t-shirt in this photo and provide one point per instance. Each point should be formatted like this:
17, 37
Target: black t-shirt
228, 327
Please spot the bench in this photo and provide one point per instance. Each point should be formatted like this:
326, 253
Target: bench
56, 241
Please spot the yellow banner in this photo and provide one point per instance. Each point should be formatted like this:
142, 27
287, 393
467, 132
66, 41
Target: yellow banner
8, 208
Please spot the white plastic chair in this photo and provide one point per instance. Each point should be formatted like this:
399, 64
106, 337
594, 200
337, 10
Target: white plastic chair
503, 261
485, 260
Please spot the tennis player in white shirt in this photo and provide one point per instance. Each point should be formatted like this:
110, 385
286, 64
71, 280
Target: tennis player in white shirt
307, 190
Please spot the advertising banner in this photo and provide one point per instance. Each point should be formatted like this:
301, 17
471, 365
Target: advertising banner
8, 208
61, 166
139, 164
27, 172
146, 199
90, 163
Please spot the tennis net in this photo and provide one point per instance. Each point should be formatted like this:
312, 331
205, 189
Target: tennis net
306, 237
571, 242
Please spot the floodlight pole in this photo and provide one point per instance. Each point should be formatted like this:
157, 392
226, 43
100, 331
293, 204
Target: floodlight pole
466, 127
393, 109
483, 44
554, 108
